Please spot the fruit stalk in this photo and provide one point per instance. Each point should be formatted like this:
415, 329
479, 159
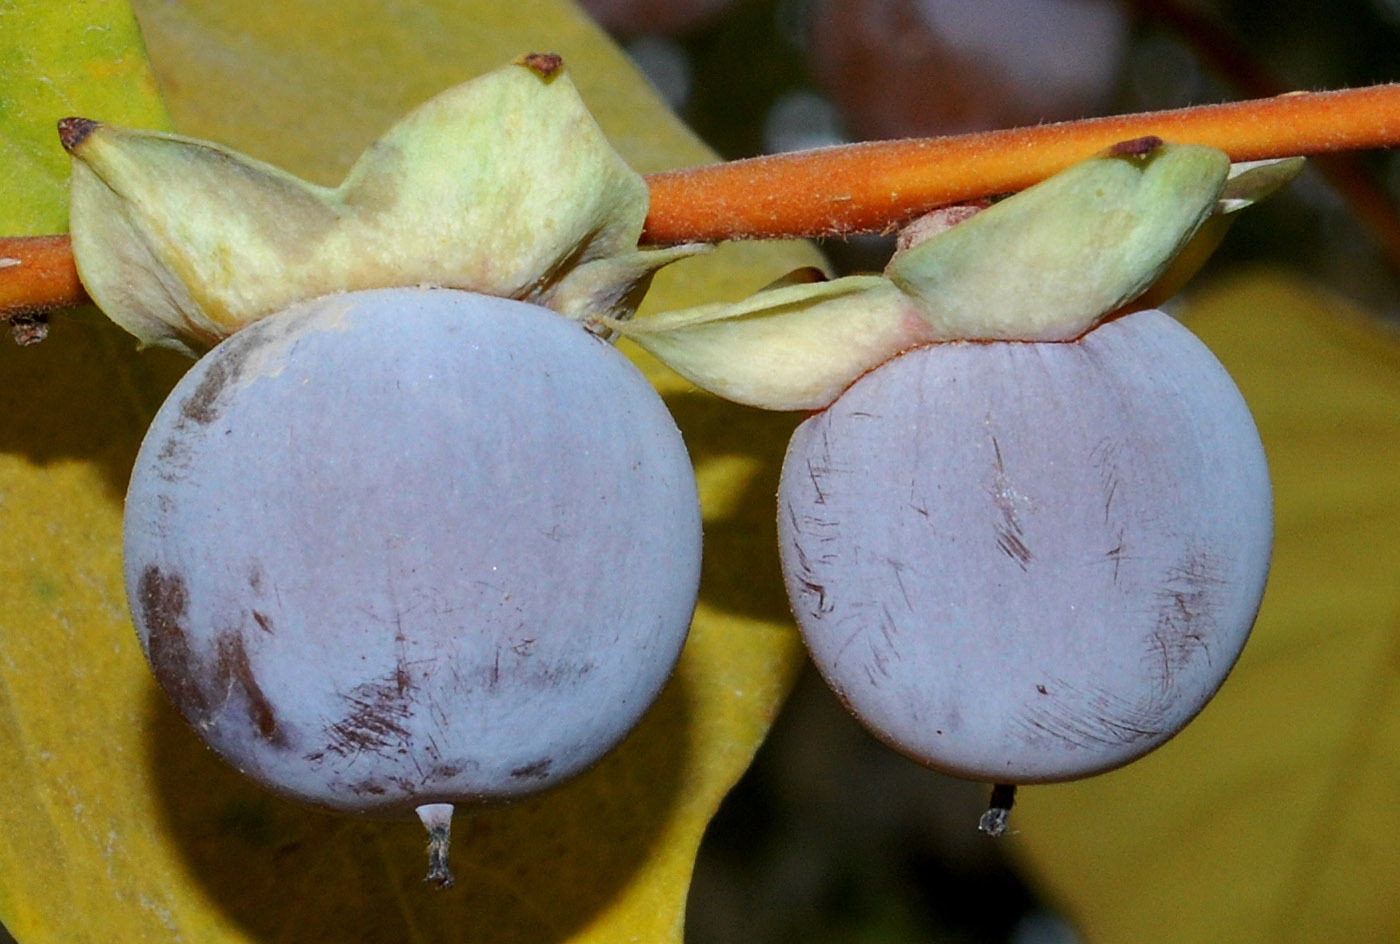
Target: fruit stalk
878, 186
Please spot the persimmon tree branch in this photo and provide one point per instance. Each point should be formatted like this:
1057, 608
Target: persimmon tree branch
37, 275
878, 186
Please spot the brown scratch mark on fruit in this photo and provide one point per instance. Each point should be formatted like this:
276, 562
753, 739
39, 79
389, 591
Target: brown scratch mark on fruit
1186, 611
882, 651
1108, 500
898, 569
1013, 547
233, 670
163, 602
1010, 536
1116, 555
375, 721
819, 495
264, 622
812, 588
807, 578
889, 632
1090, 720
539, 770
1104, 457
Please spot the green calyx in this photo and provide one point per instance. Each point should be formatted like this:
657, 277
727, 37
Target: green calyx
1047, 264
504, 185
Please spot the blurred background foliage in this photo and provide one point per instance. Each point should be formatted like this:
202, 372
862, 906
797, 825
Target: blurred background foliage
831, 837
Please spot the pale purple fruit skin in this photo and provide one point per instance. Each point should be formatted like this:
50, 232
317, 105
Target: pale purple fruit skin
403, 547
1022, 562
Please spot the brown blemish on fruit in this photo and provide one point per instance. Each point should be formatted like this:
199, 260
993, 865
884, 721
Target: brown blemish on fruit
195, 687
539, 770
234, 670
443, 772
1187, 608
544, 64
264, 622
163, 602
72, 132
201, 406
367, 787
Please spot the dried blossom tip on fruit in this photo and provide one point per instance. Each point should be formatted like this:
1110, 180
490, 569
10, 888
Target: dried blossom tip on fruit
1046, 264
437, 820
997, 817
504, 185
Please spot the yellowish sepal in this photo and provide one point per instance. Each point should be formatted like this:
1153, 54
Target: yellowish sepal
503, 185
789, 347
1048, 263
1044, 265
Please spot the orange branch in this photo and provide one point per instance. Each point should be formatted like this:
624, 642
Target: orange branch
880, 185
37, 275
876, 186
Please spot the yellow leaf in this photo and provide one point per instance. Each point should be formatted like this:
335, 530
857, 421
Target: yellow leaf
118, 824
55, 64
1272, 817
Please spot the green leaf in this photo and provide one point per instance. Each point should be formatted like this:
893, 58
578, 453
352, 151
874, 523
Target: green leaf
119, 824
1271, 818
